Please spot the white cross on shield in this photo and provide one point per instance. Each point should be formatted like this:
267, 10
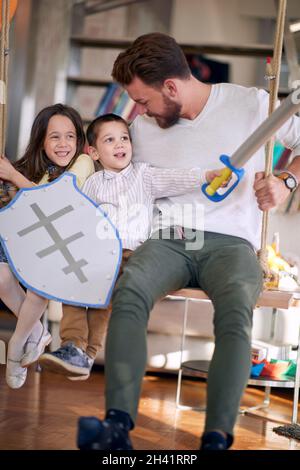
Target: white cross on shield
60, 245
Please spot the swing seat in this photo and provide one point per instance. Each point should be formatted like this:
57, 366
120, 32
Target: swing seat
268, 298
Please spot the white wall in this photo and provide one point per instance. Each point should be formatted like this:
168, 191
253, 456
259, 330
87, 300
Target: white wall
218, 21
267, 8
288, 226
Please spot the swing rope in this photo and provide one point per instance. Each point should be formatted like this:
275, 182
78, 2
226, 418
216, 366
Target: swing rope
4, 50
4, 72
273, 76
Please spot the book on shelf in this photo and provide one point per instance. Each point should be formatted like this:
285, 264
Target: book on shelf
121, 103
106, 99
116, 100
129, 111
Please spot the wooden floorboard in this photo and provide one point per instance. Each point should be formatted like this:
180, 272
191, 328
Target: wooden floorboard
43, 414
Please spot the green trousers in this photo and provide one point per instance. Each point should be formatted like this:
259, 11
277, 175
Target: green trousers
226, 268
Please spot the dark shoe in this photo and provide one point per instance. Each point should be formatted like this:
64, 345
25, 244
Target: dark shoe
94, 434
67, 360
215, 441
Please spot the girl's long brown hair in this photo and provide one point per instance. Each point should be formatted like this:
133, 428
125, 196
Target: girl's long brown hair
35, 163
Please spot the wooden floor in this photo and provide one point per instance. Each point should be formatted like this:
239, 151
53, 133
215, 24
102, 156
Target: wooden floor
43, 414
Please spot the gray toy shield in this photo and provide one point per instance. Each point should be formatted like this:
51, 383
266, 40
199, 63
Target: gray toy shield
60, 245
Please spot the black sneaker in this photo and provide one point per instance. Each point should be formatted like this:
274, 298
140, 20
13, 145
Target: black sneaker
67, 360
94, 434
215, 441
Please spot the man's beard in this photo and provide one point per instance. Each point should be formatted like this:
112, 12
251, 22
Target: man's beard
171, 114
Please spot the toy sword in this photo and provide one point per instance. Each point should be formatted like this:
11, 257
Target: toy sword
258, 138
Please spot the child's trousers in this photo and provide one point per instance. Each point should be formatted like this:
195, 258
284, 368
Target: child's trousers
86, 327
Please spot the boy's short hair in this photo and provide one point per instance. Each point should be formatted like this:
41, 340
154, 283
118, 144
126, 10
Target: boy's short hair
153, 58
93, 128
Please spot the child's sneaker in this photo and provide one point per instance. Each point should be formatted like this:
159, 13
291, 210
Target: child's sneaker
67, 360
94, 434
83, 377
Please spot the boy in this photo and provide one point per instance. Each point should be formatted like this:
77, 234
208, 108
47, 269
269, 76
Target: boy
126, 192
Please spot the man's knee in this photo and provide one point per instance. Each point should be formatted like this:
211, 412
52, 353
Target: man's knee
237, 285
131, 297
244, 270
234, 312
138, 283
250, 279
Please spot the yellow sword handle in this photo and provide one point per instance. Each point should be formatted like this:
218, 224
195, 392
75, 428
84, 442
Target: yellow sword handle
218, 181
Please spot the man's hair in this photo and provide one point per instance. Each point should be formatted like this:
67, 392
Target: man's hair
94, 127
153, 58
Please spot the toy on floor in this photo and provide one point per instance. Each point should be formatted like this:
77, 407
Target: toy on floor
283, 274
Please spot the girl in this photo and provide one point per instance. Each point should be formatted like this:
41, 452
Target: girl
56, 145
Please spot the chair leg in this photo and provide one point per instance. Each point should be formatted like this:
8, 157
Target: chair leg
179, 379
178, 393
178, 390
264, 404
297, 384
292, 431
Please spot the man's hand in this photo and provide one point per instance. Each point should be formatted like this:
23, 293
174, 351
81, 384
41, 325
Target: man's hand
269, 191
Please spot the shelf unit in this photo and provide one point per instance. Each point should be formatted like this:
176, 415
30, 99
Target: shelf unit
78, 42
87, 81
199, 368
80, 39
251, 50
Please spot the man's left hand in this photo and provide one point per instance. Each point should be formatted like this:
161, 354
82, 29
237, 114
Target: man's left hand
269, 191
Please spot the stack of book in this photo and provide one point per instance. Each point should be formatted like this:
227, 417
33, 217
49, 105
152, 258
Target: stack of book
116, 100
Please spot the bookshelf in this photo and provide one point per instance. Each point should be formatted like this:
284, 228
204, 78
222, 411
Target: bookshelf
87, 81
80, 42
251, 50
77, 43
